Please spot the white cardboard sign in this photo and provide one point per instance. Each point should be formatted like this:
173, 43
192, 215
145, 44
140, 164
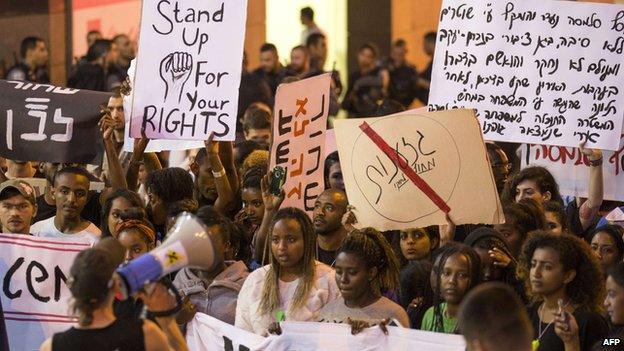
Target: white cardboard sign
537, 71
188, 69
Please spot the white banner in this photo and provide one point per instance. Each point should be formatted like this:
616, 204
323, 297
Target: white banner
571, 169
34, 294
188, 69
537, 71
206, 333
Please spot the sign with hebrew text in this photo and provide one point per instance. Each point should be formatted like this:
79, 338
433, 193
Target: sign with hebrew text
42, 122
448, 169
571, 168
298, 144
188, 69
537, 71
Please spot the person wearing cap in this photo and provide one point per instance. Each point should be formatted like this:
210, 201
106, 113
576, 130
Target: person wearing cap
17, 206
94, 284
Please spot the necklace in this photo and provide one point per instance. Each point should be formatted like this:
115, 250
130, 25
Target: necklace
535, 344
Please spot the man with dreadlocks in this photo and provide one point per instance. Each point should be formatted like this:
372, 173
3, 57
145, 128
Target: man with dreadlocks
365, 266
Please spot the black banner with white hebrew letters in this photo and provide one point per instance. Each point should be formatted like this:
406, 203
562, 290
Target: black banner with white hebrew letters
42, 122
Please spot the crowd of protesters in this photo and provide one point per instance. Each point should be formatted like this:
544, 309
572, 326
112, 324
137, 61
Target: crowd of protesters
549, 278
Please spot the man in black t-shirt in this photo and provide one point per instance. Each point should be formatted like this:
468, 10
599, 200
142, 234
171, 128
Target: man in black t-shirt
403, 75
32, 66
367, 85
329, 209
270, 70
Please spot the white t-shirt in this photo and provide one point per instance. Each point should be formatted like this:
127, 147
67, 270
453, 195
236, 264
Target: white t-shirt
248, 316
46, 228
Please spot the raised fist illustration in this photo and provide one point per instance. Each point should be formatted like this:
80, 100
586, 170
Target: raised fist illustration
175, 70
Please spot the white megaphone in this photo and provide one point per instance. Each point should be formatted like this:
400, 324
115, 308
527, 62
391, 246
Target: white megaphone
187, 245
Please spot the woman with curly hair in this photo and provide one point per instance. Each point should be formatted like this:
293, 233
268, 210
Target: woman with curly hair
563, 278
538, 183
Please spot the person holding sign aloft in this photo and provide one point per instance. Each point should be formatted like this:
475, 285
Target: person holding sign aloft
538, 183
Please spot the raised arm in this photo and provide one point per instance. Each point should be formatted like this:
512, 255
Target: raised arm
115, 172
272, 203
132, 173
226, 155
168, 337
595, 191
222, 182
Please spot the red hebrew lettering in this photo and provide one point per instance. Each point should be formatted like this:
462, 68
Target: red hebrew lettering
301, 107
301, 131
296, 190
297, 172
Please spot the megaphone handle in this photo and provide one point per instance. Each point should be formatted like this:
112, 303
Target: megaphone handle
178, 297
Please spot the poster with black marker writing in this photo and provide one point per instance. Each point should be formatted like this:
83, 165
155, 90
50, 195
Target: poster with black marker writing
537, 71
42, 122
188, 69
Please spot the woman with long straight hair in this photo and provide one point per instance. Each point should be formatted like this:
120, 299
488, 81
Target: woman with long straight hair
294, 285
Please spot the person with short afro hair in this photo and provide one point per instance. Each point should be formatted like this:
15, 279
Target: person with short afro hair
164, 187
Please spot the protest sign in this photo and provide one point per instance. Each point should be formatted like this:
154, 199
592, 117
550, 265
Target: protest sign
540, 72
446, 151
298, 143
188, 69
206, 333
155, 145
330, 142
571, 168
35, 296
42, 122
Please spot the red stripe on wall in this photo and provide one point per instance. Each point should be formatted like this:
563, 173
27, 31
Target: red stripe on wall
83, 4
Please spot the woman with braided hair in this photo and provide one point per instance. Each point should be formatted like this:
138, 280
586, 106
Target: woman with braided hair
456, 270
365, 266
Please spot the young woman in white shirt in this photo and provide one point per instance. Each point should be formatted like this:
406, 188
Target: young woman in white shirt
293, 286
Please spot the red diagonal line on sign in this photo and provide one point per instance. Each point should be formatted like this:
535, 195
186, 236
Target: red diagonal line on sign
404, 167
